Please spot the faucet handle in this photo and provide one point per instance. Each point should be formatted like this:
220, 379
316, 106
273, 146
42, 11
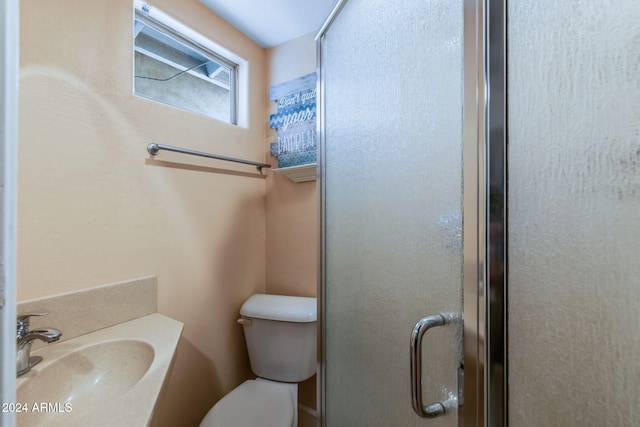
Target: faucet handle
25, 316
23, 321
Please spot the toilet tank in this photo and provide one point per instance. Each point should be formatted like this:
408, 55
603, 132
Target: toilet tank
281, 336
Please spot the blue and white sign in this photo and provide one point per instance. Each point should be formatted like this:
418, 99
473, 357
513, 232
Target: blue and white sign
295, 121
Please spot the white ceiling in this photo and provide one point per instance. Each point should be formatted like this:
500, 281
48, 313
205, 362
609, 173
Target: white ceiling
273, 22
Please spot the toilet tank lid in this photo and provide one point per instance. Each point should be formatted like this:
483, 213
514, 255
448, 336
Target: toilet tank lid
280, 307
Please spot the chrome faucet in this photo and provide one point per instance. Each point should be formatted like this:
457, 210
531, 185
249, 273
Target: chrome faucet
24, 360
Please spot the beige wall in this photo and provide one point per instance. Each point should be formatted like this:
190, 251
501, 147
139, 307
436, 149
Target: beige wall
95, 209
292, 208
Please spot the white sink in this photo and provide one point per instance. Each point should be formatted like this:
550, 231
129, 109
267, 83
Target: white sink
110, 377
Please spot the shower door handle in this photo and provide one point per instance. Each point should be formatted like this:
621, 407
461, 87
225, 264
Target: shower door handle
434, 409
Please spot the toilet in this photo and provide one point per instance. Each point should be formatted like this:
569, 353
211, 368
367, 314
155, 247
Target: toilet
280, 332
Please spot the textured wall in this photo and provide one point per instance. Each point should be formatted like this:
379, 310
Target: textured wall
95, 209
574, 213
292, 208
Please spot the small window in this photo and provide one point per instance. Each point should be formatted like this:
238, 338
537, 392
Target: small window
172, 68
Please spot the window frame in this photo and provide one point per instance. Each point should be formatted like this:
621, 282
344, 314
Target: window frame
165, 24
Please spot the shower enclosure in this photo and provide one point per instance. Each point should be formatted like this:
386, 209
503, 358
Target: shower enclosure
574, 213
421, 238
403, 320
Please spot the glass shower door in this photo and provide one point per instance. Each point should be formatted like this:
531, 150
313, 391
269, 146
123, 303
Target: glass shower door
391, 77
574, 213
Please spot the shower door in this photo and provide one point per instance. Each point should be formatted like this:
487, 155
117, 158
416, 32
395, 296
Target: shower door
391, 126
574, 213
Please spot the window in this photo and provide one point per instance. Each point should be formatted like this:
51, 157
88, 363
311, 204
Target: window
176, 66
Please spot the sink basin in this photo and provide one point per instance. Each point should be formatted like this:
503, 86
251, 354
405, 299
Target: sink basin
89, 375
101, 378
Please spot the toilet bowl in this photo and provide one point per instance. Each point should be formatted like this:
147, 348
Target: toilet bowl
256, 402
280, 332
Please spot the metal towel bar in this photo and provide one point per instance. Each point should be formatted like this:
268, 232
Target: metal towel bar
154, 149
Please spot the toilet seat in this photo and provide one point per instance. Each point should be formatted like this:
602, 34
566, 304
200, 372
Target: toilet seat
253, 403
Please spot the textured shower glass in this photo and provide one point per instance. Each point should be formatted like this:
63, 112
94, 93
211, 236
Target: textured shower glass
393, 181
574, 213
